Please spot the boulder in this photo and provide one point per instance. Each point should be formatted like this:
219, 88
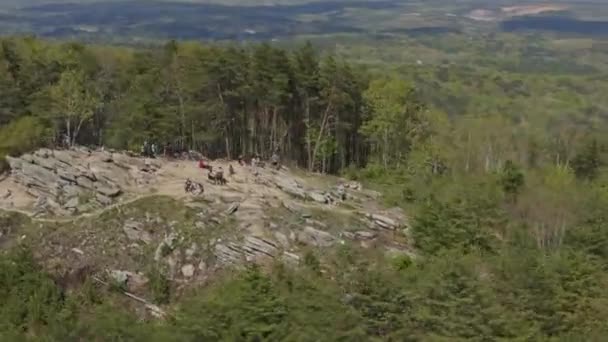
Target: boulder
190, 252
282, 239
317, 197
188, 271
354, 186
290, 258
315, 237
109, 190
382, 221
103, 200
119, 277
315, 223
136, 232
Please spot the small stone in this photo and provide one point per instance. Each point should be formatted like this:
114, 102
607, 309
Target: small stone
72, 203
120, 277
188, 271
191, 251
232, 209
78, 251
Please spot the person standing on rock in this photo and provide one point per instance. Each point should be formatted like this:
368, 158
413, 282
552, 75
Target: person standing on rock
154, 150
341, 192
275, 160
145, 149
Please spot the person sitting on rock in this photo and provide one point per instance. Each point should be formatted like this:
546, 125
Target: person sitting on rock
197, 188
204, 165
188, 185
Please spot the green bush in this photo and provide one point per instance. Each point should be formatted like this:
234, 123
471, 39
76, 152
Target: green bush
21, 136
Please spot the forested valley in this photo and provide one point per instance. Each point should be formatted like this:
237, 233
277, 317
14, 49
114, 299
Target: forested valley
502, 174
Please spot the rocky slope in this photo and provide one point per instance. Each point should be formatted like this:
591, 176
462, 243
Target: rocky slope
118, 216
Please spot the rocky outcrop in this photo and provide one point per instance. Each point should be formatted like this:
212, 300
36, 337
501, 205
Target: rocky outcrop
290, 186
316, 237
361, 235
66, 175
382, 221
318, 197
252, 248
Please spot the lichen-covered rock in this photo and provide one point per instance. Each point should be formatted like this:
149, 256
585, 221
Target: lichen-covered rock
316, 237
135, 231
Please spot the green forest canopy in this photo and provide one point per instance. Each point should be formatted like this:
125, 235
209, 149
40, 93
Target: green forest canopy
502, 173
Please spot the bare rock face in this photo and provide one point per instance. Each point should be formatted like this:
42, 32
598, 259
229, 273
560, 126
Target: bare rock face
252, 248
67, 174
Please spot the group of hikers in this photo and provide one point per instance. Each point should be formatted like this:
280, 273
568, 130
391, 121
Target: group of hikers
256, 161
149, 150
216, 176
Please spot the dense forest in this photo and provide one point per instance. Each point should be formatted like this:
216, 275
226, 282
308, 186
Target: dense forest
223, 101
502, 175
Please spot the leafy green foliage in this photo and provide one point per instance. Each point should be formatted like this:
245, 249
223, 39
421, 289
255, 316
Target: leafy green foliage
588, 161
512, 179
459, 224
506, 206
159, 285
21, 136
30, 298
